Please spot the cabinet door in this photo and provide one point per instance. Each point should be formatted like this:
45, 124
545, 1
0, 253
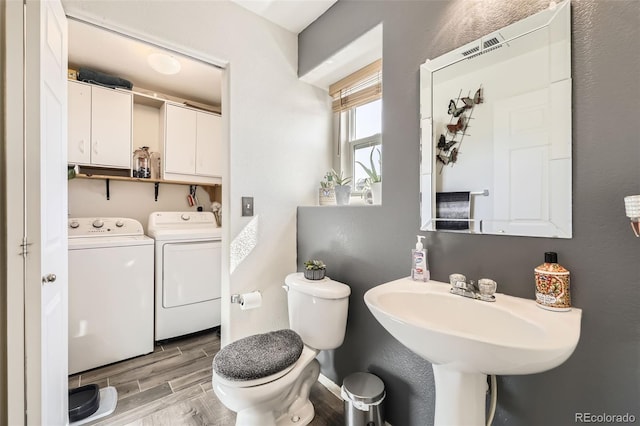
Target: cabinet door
180, 140
79, 107
111, 128
208, 145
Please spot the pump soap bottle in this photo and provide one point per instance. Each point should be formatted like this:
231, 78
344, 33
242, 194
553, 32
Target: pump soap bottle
419, 262
552, 284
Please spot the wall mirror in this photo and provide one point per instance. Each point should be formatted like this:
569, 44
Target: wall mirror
495, 120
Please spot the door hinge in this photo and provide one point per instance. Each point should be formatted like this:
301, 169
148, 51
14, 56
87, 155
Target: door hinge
25, 247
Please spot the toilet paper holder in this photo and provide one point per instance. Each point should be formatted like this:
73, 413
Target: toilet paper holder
237, 298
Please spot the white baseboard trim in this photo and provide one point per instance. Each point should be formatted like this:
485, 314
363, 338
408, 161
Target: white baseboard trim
330, 385
335, 389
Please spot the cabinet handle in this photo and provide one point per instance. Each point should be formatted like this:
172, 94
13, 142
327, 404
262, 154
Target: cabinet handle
95, 146
81, 146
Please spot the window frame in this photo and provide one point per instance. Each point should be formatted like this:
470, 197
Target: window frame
348, 144
360, 88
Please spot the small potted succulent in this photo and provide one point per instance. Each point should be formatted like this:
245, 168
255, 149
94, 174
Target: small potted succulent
314, 269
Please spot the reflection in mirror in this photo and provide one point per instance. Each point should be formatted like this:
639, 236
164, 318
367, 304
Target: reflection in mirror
496, 132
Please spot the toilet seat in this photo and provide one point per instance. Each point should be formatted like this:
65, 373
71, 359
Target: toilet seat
254, 382
258, 359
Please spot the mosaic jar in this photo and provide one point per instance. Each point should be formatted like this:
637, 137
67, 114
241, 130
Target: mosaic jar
552, 284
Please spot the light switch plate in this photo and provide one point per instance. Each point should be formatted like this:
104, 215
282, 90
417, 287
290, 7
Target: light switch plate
247, 206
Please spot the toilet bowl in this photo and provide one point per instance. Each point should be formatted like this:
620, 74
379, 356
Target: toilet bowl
273, 374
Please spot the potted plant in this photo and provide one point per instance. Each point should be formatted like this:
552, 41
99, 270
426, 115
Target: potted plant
375, 177
314, 269
327, 195
341, 187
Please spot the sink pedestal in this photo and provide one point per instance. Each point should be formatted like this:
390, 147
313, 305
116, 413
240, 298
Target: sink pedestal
460, 397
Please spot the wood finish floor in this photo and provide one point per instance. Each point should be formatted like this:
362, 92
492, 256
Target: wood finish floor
172, 386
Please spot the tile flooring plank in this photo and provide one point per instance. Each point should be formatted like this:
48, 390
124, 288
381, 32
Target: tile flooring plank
157, 368
211, 348
101, 383
192, 412
197, 377
187, 365
137, 407
133, 402
127, 365
225, 416
74, 381
328, 408
207, 386
194, 339
127, 389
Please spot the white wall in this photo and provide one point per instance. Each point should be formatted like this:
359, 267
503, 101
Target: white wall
278, 135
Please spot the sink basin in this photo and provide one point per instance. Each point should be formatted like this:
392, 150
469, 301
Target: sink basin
466, 339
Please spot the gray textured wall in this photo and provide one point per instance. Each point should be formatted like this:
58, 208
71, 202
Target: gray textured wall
368, 245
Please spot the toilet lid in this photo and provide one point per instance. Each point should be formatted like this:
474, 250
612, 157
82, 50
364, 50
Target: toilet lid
258, 356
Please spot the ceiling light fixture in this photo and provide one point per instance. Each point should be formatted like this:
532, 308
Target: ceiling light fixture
164, 64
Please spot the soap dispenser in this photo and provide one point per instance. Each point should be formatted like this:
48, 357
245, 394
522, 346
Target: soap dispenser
552, 284
419, 263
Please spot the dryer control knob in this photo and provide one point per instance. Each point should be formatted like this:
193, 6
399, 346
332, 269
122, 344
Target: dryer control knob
98, 223
185, 217
119, 224
74, 224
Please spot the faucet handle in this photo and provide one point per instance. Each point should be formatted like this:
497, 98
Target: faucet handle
458, 281
486, 288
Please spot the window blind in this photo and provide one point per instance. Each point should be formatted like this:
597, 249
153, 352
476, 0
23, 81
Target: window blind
359, 88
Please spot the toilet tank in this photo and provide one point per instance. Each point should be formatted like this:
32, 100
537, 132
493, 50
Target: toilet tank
318, 310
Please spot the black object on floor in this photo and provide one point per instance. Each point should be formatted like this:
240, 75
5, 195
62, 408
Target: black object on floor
83, 402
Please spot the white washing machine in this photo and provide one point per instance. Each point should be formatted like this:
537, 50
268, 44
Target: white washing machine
110, 292
187, 272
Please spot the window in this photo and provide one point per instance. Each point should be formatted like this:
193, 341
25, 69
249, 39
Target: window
357, 104
363, 143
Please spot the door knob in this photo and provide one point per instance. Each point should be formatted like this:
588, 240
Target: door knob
49, 278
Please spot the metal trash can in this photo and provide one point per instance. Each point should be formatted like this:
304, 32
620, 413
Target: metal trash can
363, 395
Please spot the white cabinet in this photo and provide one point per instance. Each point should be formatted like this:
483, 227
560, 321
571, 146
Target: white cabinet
99, 126
192, 144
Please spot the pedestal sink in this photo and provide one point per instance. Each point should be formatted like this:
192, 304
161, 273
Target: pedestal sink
466, 339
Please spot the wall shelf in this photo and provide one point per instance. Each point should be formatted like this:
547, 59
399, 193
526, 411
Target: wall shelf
212, 189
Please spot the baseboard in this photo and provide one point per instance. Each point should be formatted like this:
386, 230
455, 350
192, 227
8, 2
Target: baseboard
335, 389
330, 385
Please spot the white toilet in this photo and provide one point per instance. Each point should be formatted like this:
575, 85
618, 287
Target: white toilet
266, 378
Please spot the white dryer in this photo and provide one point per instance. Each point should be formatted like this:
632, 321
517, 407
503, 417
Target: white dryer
188, 259
110, 292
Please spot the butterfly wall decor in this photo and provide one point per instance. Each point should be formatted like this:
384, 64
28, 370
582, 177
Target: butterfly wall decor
477, 98
456, 131
459, 126
448, 159
445, 145
454, 110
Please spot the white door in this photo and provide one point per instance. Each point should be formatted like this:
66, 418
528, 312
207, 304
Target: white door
522, 176
46, 194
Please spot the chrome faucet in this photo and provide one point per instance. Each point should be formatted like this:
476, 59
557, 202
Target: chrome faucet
483, 291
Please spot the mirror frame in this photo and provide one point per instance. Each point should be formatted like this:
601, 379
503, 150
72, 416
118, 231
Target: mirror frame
560, 16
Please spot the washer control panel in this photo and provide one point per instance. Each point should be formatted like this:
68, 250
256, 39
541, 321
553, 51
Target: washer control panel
103, 226
177, 219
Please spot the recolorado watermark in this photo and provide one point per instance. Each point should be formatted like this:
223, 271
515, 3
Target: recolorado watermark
604, 418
